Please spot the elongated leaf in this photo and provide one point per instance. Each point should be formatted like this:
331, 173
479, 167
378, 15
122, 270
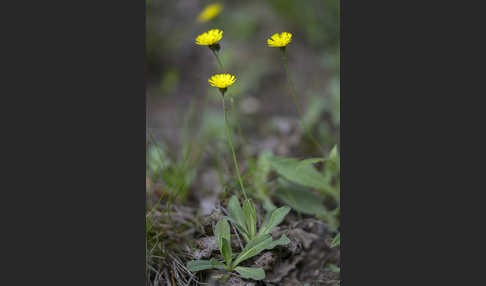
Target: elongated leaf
251, 273
198, 265
275, 218
334, 154
236, 212
333, 268
305, 175
222, 230
283, 240
227, 252
336, 241
253, 248
334, 160
217, 264
249, 212
257, 240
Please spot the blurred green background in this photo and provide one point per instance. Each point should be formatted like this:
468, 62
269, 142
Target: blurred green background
177, 69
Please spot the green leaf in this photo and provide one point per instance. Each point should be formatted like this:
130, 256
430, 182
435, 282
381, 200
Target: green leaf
249, 212
310, 161
334, 158
217, 264
253, 248
333, 268
283, 240
198, 265
222, 231
251, 273
227, 252
256, 241
336, 241
268, 205
334, 155
260, 178
275, 218
236, 212
242, 230
305, 175
300, 199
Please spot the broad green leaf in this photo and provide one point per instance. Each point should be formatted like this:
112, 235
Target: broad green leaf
222, 230
227, 252
305, 175
217, 264
198, 265
336, 241
310, 161
253, 248
249, 212
283, 240
236, 212
251, 273
300, 199
275, 218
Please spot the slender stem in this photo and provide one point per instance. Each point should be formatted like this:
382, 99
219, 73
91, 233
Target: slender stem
297, 103
230, 140
219, 61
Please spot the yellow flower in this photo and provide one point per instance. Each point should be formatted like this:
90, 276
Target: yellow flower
209, 38
210, 12
280, 40
222, 80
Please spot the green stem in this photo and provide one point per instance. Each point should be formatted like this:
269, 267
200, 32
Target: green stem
230, 140
297, 103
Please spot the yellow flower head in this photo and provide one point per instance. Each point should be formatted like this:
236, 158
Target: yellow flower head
280, 40
222, 80
209, 12
209, 38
